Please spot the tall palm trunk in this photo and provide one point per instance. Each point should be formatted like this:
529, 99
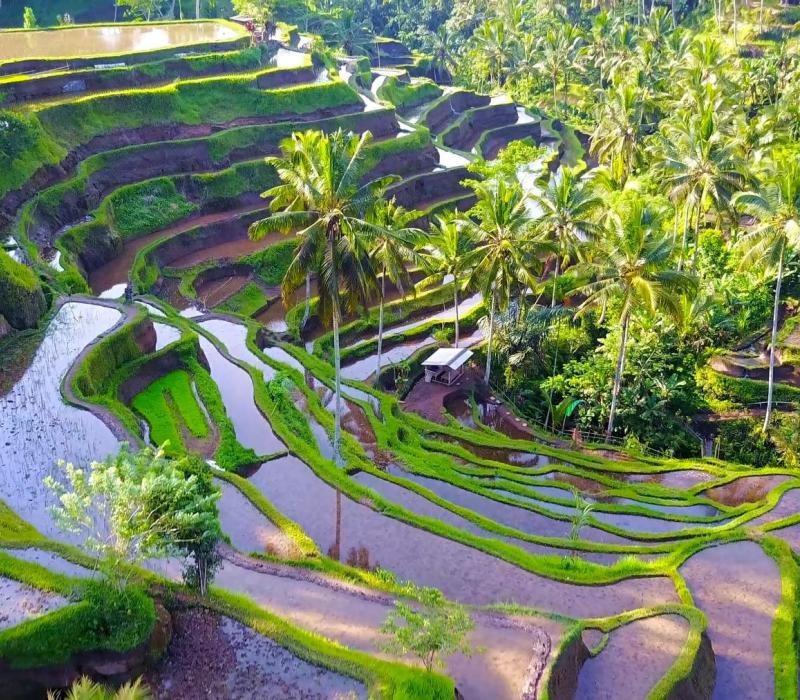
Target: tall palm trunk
337, 363
380, 325
775, 314
686, 210
735, 25
197, 9
488, 372
612, 414
697, 234
455, 306
761, 16
307, 311
556, 273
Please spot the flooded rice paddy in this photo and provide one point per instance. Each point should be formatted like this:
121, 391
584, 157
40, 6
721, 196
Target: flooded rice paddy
38, 428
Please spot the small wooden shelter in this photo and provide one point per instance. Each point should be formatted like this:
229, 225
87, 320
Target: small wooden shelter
446, 365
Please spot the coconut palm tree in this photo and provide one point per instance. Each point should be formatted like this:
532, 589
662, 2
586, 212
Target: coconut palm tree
776, 207
560, 48
633, 265
702, 168
321, 196
391, 249
440, 46
567, 207
505, 258
443, 255
617, 138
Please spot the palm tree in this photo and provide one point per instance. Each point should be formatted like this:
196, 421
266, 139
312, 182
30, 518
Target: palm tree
322, 197
391, 249
440, 46
634, 265
567, 206
491, 39
505, 254
560, 48
617, 137
776, 207
443, 255
702, 168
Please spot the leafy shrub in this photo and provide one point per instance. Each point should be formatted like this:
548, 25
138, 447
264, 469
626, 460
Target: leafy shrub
147, 206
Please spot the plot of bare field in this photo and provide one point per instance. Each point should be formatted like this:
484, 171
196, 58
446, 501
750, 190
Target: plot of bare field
20, 602
217, 657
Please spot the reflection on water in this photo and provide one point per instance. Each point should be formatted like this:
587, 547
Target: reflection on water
38, 428
112, 39
252, 429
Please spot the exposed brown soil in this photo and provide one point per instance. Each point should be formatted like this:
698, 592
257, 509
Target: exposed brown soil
748, 489
219, 658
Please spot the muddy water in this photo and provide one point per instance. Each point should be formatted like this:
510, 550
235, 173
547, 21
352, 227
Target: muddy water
636, 657
518, 518
748, 489
116, 271
248, 528
104, 40
353, 531
234, 337
252, 429
51, 561
213, 292
38, 428
423, 506
274, 317
738, 587
20, 602
365, 368
229, 249
165, 334
498, 454
286, 58
446, 316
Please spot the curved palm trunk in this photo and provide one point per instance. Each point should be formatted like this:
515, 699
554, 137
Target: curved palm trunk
307, 311
612, 414
380, 326
487, 375
775, 315
455, 306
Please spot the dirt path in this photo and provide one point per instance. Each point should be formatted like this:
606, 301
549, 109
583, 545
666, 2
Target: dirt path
739, 588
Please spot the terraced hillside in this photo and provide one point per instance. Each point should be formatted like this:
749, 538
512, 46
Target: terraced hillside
591, 573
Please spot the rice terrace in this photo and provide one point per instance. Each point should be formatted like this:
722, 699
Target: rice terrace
399, 350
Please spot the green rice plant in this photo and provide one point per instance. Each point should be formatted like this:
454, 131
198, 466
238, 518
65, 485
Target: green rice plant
169, 404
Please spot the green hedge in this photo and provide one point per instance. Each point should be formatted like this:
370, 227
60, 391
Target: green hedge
405, 95
22, 301
721, 387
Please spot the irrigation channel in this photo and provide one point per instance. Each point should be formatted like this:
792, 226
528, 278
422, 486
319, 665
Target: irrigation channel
678, 575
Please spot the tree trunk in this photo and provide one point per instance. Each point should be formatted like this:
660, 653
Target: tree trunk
674, 16
697, 234
455, 307
380, 325
686, 210
197, 9
775, 314
735, 24
337, 360
307, 311
761, 16
612, 414
555, 280
488, 373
